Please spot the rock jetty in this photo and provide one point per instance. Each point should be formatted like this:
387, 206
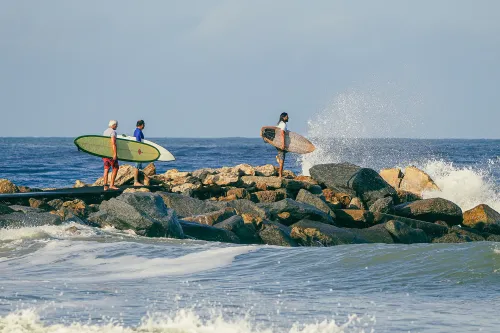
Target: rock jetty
338, 204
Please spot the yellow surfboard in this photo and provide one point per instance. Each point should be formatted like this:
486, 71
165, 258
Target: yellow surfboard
131, 151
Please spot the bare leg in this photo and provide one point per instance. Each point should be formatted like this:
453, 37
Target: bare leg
105, 179
136, 178
281, 164
113, 177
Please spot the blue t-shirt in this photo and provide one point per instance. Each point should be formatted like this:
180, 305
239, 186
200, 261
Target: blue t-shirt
138, 135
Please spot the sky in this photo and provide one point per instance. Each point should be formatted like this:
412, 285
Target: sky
224, 68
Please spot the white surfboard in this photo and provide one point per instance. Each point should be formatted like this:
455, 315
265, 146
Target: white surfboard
165, 155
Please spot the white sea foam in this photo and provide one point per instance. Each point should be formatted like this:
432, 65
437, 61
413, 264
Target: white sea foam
184, 321
465, 186
48, 231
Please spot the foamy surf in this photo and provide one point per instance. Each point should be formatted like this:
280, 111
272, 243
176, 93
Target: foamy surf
184, 321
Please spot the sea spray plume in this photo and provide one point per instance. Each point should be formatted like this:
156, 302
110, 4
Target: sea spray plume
339, 132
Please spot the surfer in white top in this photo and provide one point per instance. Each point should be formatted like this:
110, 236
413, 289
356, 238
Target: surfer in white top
111, 162
280, 158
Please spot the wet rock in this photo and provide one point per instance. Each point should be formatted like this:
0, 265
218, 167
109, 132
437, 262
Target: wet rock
392, 176
353, 218
267, 170
473, 234
73, 230
55, 204
432, 230
267, 196
26, 209
431, 210
77, 207
124, 176
404, 234
453, 237
249, 211
208, 233
481, 216
367, 183
288, 212
314, 200
356, 203
273, 233
405, 196
376, 234
314, 233
6, 186
212, 217
417, 181
384, 205
40, 204
28, 219
5, 209
493, 238
187, 206
262, 183
245, 231
144, 213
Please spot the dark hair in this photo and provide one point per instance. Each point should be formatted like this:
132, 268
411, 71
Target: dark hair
282, 116
139, 123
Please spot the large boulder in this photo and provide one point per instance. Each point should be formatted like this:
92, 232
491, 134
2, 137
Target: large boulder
367, 183
273, 233
481, 216
267, 170
244, 170
376, 234
6, 186
353, 218
208, 233
144, 213
405, 234
383, 205
308, 198
392, 176
432, 230
289, 211
245, 231
124, 176
187, 206
314, 233
29, 219
417, 181
431, 210
248, 210
212, 218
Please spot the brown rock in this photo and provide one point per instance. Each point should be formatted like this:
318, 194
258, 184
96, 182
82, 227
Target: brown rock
273, 233
244, 170
343, 198
313, 233
431, 210
267, 170
356, 203
223, 179
79, 184
267, 196
212, 217
392, 176
262, 182
481, 216
150, 170
77, 207
6, 186
236, 194
56, 204
405, 196
36, 203
186, 187
173, 174
416, 181
353, 218
289, 174
125, 176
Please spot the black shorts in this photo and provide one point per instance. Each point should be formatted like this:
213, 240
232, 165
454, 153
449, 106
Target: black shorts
281, 154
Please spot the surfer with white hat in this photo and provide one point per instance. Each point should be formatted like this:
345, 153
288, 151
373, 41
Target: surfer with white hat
280, 158
111, 162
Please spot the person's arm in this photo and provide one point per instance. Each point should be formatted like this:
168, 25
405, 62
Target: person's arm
113, 144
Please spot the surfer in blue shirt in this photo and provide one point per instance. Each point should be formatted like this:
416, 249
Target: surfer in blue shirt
280, 158
139, 136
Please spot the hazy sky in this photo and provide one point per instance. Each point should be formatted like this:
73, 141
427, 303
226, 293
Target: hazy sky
219, 68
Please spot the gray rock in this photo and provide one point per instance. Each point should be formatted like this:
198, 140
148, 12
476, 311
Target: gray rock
212, 217
187, 206
26, 209
273, 233
248, 210
366, 183
56, 204
493, 238
143, 212
473, 234
245, 231
288, 212
431, 210
376, 234
314, 200
353, 218
314, 233
383, 205
405, 234
432, 230
208, 233
29, 219
453, 237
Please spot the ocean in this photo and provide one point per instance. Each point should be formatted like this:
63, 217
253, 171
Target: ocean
52, 280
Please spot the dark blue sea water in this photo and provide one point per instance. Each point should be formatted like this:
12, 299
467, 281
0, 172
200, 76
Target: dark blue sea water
52, 280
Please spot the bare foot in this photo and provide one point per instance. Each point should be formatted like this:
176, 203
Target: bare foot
106, 187
113, 188
138, 184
